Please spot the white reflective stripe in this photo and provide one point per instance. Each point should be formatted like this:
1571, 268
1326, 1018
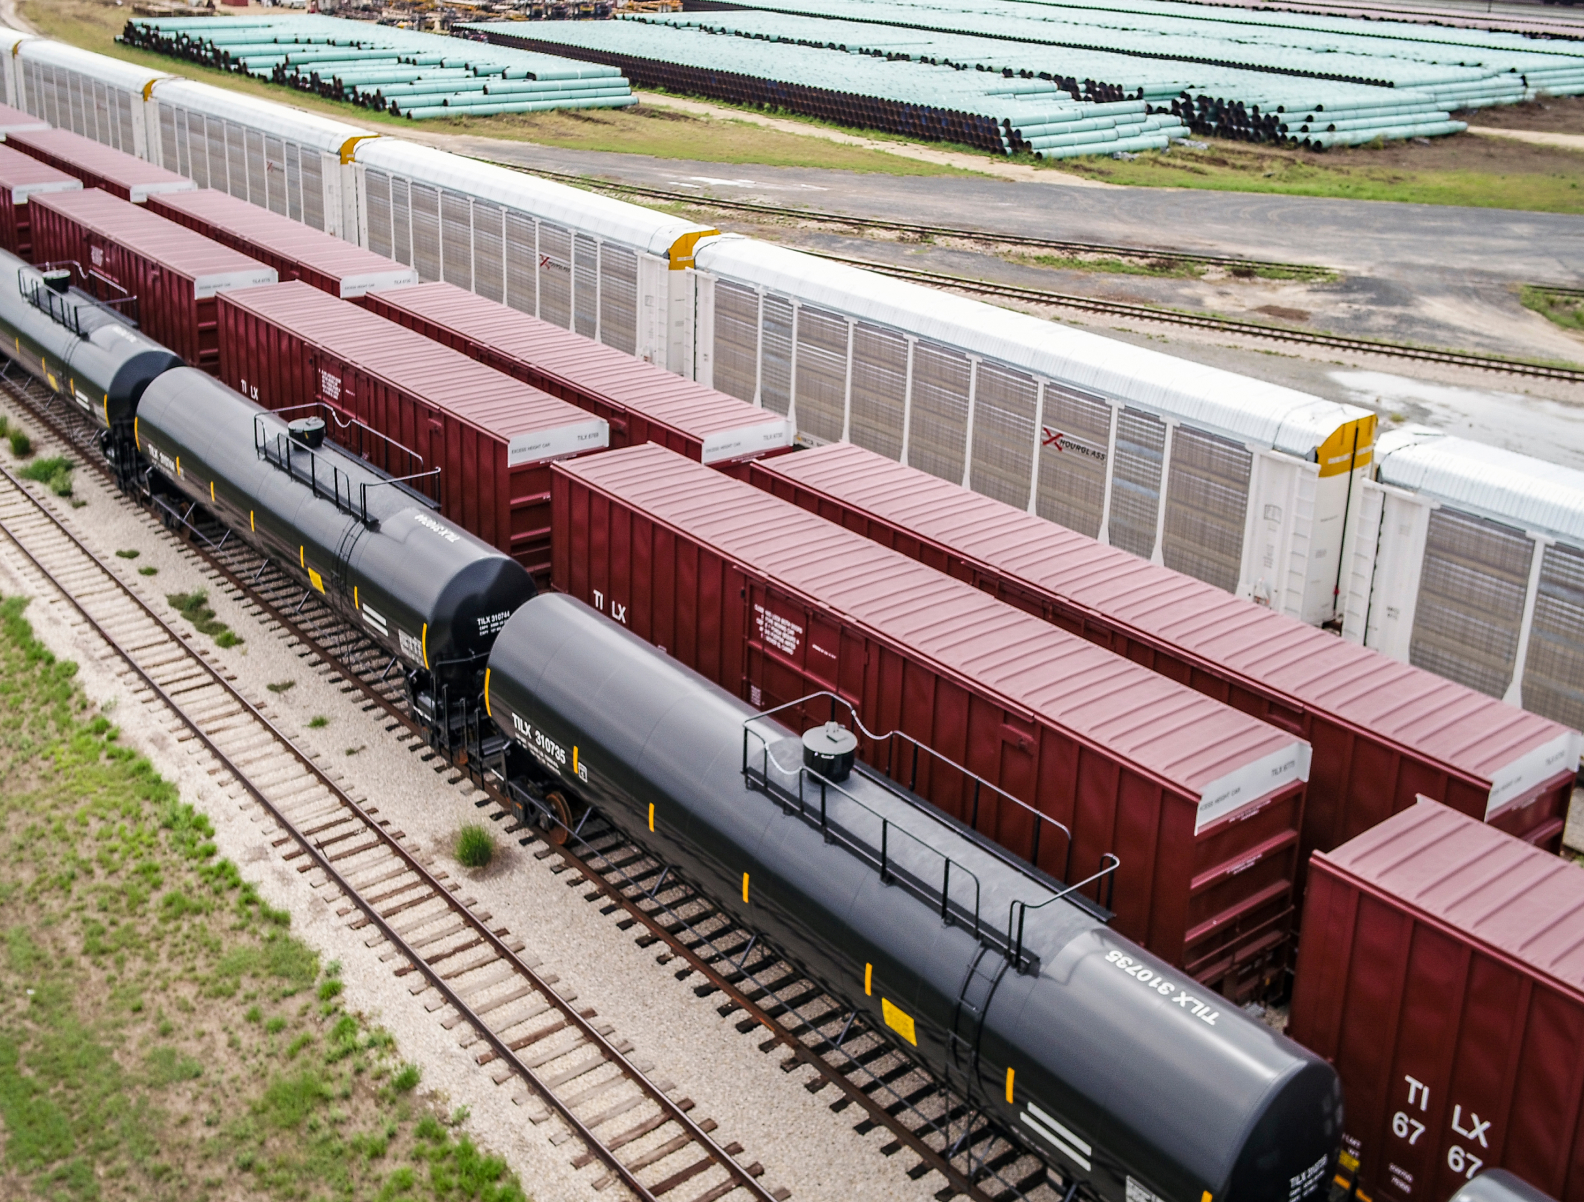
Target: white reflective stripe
1069, 1136
1078, 1158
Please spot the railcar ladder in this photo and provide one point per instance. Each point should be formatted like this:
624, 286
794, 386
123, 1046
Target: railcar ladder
973, 1003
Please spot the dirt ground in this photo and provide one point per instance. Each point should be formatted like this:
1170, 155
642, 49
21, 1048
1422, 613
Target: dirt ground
1548, 115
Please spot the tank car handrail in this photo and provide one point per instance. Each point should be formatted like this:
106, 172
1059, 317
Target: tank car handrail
980, 783
349, 496
1017, 911
57, 306
324, 409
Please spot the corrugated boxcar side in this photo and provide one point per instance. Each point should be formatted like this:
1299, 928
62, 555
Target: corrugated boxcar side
1218, 903
22, 176
1445, 741
642, 402
282, 367
126, 251
1440, 971
97, 165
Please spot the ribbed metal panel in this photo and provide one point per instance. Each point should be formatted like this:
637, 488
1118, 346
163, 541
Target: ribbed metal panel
489, 268
938, 431
294, 183
456, 239
172, 151
555, 275
736, 340
101, 128
425, 204
1004, 411
219, 163
821, 373
1074, 436
377, 194
74, 93
522, 275
775, 360
123, 111
1553, 681
313, 190
585, 286
257, 171
275, 174
1206, 504
879, 389
1136, 481
1471, 600
236, 159
618, 298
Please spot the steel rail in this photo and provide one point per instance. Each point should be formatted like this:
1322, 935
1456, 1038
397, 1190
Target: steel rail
824, 217
1206, 321
480, 929
876, 1111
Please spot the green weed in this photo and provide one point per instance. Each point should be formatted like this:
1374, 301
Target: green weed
21, 444
56, 472
475, 845
194, 606
280, 686
148, 570
1563, 308
130, 554
318, 722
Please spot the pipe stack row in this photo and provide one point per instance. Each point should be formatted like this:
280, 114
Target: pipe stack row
403, 72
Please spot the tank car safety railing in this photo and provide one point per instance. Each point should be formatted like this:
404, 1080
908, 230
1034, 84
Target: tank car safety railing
382, 453
903, 753
1019, 909
66, 310
328, 482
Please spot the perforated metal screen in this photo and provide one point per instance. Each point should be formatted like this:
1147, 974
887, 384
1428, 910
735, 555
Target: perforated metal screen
1553, 681
1074, 436
1136, 481
1206, 504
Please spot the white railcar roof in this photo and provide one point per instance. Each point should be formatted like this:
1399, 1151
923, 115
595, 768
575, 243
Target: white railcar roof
1504, 485
1210, 398
276, 117
585, 212
101, 67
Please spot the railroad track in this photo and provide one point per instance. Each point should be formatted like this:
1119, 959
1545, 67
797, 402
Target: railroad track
1223, 325
1142, 254
944, 1133
646, 1140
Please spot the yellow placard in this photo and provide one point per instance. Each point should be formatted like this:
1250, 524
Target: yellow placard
1339, 453
899, 1021
318, 581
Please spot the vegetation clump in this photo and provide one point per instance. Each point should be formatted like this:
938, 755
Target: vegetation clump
194, 606
1563, 307
55, 472
168, 1038
475, 846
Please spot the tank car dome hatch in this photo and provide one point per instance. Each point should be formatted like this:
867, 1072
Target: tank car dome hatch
59, 279
829, 750
308, 431
1498, 1185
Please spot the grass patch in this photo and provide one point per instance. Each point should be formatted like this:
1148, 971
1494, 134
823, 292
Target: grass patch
1561, 308
136, 1061
148, 570
475, 846
194, 606
318, 722
130, 554
280, 686
21, 444
56, 472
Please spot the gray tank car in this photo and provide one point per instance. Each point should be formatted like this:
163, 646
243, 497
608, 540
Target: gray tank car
432, 594
1116, 1068
1498, 1185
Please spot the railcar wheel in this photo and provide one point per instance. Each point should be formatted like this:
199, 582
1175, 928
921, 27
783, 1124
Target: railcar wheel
560, 826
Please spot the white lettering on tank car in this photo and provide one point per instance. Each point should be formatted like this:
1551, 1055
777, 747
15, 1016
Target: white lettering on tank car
493, 623
160, 458
411, 647
543, 748
1138, 1192
428, 523
1306, 1182
1151, 979
1059, 1136
780, 633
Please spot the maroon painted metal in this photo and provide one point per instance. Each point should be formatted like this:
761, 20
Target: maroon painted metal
492, 437
97, 165
296, 251
1383, 732
642, 402
1201, 803
1442, 972
22, 176
168, 276
15, 120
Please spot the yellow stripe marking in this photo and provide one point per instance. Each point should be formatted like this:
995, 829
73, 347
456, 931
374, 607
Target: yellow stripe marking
486, 685
899, 1021
107, 408
302, 562
252, 525
211, 490
868, 980
425, 637
651, 815
355, 605
745, 887
574, 760
136, 439
1011, 1074
178, 465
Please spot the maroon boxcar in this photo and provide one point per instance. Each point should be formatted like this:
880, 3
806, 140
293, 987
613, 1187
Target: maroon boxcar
1442, 972
1201, 803
642, 402
97, 165
15, 121
296, 251
166, 275
293, 347
1383, 732
22, 176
